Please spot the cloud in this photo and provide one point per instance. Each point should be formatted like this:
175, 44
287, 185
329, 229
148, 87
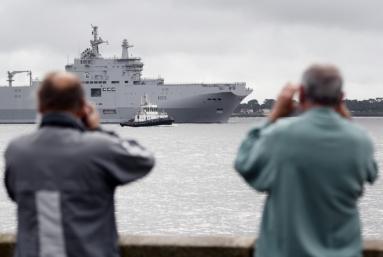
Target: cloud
264, 43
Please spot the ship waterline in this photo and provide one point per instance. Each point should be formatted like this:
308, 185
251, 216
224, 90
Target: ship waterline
115, 86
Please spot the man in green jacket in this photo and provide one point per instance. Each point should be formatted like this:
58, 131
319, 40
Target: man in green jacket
313, 168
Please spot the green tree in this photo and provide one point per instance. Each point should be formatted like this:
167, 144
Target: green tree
254, 105
268, 104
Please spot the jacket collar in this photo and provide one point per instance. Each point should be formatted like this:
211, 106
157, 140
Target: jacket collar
323, 112
63, 120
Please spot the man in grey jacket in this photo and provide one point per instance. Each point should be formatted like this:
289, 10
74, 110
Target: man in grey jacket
63, 176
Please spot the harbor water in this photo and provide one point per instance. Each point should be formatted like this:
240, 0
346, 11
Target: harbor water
194, 189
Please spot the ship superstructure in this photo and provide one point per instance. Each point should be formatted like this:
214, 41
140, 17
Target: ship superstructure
115, 86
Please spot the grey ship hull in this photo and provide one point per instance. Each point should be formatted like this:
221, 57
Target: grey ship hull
20, 107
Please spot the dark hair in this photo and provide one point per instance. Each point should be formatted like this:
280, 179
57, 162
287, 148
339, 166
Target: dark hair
60, 94
323, 84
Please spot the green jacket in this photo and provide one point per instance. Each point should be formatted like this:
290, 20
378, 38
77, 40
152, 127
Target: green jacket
313, 168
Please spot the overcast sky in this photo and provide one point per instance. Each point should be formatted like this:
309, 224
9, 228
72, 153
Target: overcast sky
262, 43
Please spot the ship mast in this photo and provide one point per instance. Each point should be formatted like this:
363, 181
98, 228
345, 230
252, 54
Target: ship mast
95, 42
125, 46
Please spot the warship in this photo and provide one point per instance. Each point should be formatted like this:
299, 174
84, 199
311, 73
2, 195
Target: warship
115, 86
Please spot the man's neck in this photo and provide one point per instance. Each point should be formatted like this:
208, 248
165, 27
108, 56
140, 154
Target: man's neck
75, 115
309, 105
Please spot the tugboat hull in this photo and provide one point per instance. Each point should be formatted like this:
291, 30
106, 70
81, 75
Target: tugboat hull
149, 123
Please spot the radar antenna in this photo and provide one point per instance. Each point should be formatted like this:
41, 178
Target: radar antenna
13, 73
95, 42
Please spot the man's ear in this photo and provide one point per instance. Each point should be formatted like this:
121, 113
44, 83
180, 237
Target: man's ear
40, 108
302, 95
82, 112
341, 99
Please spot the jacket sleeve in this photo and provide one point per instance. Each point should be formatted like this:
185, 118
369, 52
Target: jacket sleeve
8, 180
127, 161
371, 167
372, 171
255, 157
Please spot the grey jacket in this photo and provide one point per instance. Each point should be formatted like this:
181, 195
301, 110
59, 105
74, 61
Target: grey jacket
63, 179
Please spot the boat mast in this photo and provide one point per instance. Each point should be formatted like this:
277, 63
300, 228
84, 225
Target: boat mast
95, 42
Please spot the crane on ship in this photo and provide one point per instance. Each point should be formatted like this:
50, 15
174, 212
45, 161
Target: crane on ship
13, 73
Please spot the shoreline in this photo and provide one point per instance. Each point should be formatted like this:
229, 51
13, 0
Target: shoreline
241, 115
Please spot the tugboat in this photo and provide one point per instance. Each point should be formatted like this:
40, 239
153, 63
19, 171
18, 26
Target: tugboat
148, 115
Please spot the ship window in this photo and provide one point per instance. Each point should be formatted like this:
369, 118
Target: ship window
219, 99
115, 82
109, 89
219, 110
126, 82
86, 82
91, 82
209, 99
104, 89
113, 89
104, 82
95, 92
109, 111
213, 99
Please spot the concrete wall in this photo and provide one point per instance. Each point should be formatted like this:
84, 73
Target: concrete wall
187, 246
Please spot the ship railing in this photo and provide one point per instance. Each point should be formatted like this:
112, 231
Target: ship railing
118, 57
205, 84
159, 78
15, 86
135, 63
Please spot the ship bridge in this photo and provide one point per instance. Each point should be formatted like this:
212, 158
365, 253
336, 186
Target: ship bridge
91, 67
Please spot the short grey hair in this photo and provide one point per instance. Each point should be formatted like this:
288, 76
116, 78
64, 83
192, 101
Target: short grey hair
323, 84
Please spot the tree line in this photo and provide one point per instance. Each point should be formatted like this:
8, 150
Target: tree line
255, 106
370, 105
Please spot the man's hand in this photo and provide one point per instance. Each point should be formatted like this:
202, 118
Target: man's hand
92, 117
344, 111
284, 104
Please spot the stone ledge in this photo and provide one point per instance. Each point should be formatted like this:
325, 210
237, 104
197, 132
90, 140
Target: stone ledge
188, 246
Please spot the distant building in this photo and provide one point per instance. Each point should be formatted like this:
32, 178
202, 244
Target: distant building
264, 111
246, 111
